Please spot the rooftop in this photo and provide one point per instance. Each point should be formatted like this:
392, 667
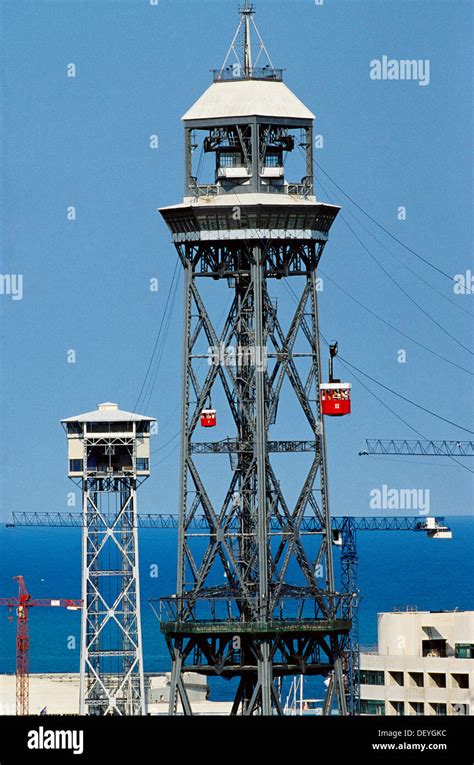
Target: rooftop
248, 98
108, 412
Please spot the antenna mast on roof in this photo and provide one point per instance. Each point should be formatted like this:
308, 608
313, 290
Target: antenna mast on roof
244, 66
247, 13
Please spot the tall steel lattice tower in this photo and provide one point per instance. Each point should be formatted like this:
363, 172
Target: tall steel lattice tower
255, 599
109, 456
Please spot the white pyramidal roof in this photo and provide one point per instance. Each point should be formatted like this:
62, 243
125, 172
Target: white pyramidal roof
248, 98
108, 412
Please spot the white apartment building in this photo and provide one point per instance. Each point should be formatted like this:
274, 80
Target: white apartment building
424, 665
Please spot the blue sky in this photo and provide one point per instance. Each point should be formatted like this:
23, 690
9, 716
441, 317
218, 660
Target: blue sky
84, 142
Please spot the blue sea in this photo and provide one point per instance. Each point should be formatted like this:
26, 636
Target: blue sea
396, 569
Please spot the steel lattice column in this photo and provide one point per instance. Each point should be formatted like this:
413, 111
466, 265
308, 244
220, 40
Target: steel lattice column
262, 605
109, 452
111, 657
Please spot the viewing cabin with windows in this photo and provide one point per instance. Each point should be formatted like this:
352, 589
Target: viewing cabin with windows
108, 441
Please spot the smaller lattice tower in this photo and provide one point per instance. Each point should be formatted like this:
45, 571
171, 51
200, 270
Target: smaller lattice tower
109, 457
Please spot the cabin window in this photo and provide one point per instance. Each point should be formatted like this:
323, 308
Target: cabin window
74, 428
143, 463
76, 466
230, 159
273, 160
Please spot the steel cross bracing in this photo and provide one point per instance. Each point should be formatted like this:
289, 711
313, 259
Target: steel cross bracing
259, 606
344, 530
111, 673
112, 664
418, 447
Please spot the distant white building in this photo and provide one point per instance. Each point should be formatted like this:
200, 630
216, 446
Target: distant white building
58, 694
424, 665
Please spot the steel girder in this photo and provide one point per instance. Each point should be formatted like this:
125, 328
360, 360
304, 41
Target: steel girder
239, 562
111, 676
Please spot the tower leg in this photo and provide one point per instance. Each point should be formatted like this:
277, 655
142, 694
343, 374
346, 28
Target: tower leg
265, 678
112, 679
177, 687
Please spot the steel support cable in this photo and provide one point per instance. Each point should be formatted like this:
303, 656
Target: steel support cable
347, 364
398, 416
157, 338
160, 462
386, 231
163, 446
199, 365
408, 268
404, 398
404, 265
162, 346
407, 294
392, 326
394, 281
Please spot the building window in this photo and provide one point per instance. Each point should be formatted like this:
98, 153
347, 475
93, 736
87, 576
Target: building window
460, 709
436, 680
396, 678
464, 650
372, 677
143, 463
415, 679
417, 707
372, 707
75, 466
109, 427
74, 428
398, 707
459, 680
438, 709
434, 648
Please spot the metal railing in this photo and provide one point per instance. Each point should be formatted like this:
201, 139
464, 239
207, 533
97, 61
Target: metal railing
237, 72
219, 609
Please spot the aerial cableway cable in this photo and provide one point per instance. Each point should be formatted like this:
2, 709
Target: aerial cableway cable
392, 326
407, 294
159, 335
398, 416
404, 398
385, 230
167, 321
392, 254
418, 276
352, 367
396, 283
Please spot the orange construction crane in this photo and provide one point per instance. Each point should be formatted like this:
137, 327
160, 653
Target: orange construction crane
22, 604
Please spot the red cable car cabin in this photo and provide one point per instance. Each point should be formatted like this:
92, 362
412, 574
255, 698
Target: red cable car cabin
335, 399
208, 418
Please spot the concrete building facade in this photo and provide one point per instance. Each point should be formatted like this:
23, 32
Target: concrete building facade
424, 665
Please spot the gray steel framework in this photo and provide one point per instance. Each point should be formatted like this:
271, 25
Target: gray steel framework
269, 623
111, 670
418, 447
344, 530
